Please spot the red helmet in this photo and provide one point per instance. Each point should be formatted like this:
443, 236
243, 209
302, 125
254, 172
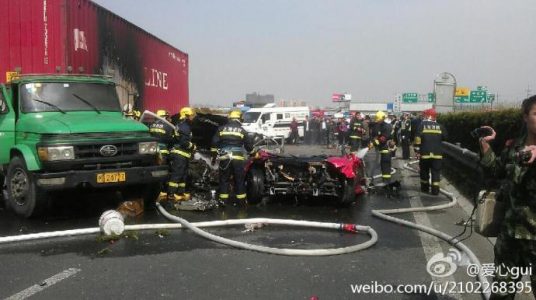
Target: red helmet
430, 113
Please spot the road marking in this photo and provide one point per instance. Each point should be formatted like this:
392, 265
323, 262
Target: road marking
430, 243
36, 288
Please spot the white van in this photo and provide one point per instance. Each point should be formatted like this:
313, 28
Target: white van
274, 121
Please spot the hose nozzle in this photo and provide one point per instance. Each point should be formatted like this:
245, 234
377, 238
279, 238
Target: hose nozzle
349, 228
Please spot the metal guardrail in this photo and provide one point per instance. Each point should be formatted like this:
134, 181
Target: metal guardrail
462, 155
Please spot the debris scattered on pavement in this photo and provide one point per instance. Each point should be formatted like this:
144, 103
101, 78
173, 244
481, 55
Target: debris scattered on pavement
253, 226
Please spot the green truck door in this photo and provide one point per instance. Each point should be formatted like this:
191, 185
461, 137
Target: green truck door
7, 126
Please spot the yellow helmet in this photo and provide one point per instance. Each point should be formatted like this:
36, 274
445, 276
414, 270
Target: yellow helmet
162, 113
235, 114
185, 112
380, 115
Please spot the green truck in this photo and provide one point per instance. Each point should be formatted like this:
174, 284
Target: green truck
67, 132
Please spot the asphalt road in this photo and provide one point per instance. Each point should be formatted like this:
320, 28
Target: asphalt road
180, 265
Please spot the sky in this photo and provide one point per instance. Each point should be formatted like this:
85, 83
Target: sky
374, 49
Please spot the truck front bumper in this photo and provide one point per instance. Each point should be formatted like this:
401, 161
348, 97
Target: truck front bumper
101, 178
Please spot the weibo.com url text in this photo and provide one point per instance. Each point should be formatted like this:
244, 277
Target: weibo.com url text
442, 288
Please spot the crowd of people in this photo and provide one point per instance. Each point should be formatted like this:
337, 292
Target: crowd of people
332, 131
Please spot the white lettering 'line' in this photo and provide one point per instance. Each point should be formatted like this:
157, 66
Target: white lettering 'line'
36, 288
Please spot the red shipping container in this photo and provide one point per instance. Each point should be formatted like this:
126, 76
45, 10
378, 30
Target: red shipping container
79, 36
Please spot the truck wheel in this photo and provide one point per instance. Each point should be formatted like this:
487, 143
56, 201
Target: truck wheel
150, 195
346, 192
255, 185
24, 197
3, 194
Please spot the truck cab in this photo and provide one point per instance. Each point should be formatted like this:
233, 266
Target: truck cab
60, 132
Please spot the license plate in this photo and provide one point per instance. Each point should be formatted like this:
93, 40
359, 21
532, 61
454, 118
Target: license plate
111, 177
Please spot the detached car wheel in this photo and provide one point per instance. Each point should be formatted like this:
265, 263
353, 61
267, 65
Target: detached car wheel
255, 185
24, 196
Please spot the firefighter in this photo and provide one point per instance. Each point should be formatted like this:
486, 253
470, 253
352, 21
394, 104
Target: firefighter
231, 139
180, 156
428, 148
356, 132
380, 136
405, 135
165, 134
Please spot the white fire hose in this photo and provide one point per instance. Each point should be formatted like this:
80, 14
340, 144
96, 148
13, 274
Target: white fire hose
111, 222
384, 214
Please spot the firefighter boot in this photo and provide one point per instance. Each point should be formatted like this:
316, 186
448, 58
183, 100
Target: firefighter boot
176, 197
435, 190
162, 197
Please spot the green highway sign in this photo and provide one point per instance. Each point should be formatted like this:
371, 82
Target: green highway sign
431, 97
461, 99
478, 96
410, 97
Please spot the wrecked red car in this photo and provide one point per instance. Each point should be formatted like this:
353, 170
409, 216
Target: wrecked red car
269, 173
337, 177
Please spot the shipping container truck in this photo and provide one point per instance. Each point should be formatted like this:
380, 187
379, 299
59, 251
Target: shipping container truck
79, 36
60, 132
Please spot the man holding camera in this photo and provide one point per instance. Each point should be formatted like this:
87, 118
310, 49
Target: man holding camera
429, 150
516, 241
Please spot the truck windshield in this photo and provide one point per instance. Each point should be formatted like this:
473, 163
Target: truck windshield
251, 117
65, 97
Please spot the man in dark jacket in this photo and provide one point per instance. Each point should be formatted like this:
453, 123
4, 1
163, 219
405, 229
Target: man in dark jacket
294, 136
180, 155
231, 138
380, 136
356, 132
165, 133
307, 131
405, 135
429, 149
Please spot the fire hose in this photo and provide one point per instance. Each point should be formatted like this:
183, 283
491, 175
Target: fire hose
111, 223
385, 215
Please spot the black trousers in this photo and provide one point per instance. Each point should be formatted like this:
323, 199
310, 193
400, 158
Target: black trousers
405, 148
433, 166
234, 168
342, 137
307, 137
314, 136
179, 170
385, 165
294, 137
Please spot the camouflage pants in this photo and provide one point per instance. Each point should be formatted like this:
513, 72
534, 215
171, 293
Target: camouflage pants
513, 253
